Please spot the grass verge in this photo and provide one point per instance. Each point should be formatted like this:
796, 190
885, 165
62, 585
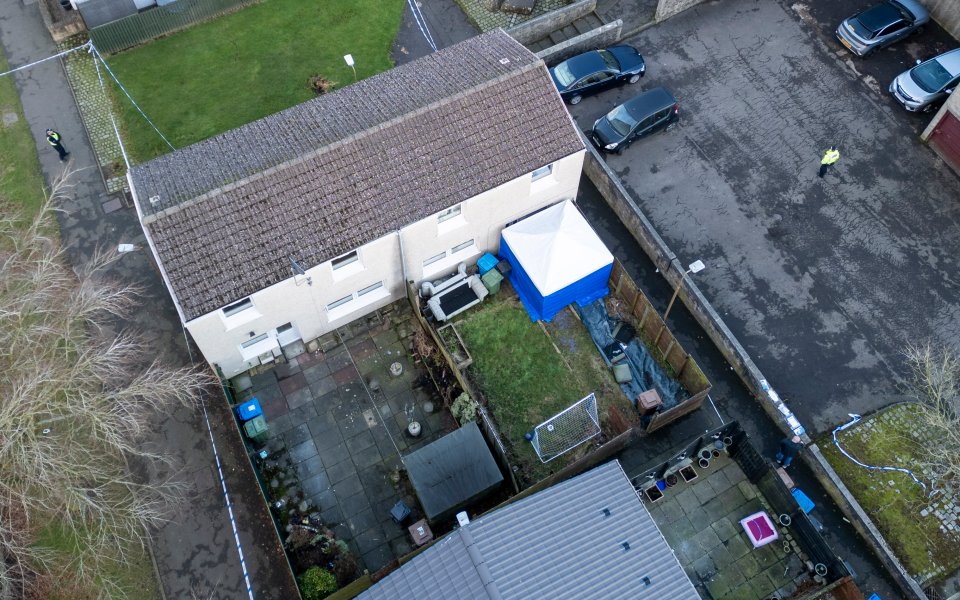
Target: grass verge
136, 579
892, 499
21, 182
527, 375
246, 65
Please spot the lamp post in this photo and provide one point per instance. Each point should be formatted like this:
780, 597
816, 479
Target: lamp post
348, 58
694, 267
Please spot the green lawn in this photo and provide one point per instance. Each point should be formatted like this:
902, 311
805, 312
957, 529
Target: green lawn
892, 499
21, 182
526, 380
246, 65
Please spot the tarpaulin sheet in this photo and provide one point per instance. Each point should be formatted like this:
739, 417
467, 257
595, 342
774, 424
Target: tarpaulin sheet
647, 374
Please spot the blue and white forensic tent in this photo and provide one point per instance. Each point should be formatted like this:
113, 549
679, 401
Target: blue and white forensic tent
556, 259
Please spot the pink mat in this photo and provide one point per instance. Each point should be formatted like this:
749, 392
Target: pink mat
760, 529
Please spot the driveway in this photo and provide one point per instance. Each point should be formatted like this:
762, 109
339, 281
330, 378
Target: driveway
823, 281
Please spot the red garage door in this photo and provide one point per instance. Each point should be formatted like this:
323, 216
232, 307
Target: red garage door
946, 140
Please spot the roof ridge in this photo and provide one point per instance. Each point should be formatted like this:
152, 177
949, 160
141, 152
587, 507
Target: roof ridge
209, 194
486, 577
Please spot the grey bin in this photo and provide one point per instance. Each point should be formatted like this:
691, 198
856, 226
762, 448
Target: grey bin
256, 429
491, 280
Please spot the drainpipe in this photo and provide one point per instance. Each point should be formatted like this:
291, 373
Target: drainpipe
403, 258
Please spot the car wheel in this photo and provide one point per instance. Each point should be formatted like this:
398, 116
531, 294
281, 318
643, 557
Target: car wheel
576, 99
634, 78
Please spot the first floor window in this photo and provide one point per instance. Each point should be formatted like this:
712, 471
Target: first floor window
346, 259
453, 211
435, 258
541, 172
370, 288
461, 246
237, 307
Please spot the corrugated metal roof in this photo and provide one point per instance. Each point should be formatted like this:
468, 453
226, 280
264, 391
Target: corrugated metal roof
556, 544
329, 175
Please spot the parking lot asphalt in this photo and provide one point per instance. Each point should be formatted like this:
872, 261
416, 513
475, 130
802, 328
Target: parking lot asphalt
824, 281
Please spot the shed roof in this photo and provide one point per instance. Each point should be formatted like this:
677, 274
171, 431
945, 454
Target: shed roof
558, 543
452, 470
329, 175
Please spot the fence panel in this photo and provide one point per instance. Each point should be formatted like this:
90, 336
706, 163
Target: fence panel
142, 27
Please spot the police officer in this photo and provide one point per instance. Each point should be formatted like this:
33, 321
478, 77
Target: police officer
53, 138
829, 157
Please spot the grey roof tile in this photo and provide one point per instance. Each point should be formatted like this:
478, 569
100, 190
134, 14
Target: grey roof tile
329, 175
554, 544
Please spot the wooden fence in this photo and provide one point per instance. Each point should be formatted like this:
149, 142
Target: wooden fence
664, 346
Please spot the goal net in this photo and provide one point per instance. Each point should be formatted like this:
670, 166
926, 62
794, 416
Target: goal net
567, 429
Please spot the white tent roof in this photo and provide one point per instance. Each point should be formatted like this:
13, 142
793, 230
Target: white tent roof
556, 247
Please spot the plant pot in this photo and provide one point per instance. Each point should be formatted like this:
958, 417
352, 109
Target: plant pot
688, 474
727, 441
653, 493
671, 480
785, 520
705, 454
704, 463
715, 453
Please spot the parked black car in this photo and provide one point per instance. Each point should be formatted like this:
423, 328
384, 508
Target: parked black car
640, 116
597, 70
881, 25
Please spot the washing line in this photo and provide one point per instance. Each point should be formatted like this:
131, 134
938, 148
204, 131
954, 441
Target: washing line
854, 419
43, 60
421, 23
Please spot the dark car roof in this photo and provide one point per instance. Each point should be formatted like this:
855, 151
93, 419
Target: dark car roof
879, 16
650, 101
586, 63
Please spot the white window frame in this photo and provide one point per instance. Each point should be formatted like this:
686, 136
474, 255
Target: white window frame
463, 246
435, 258
450, 213
338, 303
370, 288
254, 340
346, 265
542, 172
240, 313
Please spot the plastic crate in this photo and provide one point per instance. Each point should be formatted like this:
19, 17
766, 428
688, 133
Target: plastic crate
249, 410
486, 262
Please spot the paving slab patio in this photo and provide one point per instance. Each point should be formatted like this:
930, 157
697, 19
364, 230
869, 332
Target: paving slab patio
341, 417
700, 520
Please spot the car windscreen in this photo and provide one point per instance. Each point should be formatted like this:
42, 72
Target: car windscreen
563, 74
930, 76
872, 20
621, 121
609, 59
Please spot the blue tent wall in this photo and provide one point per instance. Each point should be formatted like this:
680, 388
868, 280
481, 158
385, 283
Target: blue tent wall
543, 308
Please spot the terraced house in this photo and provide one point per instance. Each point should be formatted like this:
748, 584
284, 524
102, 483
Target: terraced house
290, 226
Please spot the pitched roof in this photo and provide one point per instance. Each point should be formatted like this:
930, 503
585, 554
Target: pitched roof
555, 544
331, 174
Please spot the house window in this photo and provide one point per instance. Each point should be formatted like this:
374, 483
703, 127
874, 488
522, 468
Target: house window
453, 211
462, 246
339, 302
434, 259
370, 288
346, 259
254, 340
541, 172
237, 307
284, 328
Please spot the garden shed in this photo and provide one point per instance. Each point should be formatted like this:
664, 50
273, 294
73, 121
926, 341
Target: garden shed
453, 472
556, 259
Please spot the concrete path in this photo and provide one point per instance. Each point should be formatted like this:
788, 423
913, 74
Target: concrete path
195, 552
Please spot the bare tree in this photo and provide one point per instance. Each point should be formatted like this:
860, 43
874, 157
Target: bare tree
75, 399
935, 384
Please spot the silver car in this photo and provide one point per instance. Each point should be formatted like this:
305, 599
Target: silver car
881, 25
928, 83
